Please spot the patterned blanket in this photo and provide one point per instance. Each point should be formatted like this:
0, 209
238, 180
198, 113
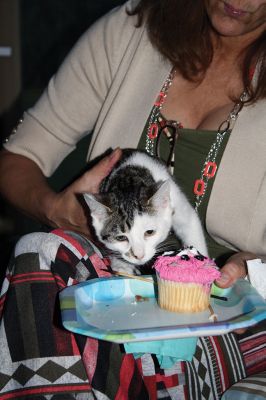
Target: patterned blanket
41, 360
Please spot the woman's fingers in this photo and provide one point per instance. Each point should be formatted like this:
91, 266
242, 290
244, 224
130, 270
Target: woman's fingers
231, 271
66, 210
90, 181
234, 269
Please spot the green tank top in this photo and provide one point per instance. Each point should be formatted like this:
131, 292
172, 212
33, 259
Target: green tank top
191, 149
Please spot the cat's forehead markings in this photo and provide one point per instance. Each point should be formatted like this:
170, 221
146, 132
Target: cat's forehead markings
127, 226
119, 228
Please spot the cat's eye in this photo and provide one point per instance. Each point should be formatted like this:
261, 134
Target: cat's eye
121, 238
149, 232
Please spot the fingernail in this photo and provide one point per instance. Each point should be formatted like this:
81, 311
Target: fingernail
224, 278
113, 154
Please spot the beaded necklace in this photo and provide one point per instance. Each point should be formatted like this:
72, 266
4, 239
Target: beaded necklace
157, 125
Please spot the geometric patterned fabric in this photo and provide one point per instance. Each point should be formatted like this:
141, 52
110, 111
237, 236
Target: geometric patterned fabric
41, 360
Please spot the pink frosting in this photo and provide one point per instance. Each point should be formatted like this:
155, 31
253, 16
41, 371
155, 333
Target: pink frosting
177, 269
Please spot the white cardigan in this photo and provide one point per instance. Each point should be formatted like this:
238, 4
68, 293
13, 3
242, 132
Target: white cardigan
108, 85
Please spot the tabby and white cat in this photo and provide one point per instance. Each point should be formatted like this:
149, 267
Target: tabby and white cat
138, 205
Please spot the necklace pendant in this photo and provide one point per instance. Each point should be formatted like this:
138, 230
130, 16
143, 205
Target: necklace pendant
153, 131
199, 187
210, 169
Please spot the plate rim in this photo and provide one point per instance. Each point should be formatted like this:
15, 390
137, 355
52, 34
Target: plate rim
122, 336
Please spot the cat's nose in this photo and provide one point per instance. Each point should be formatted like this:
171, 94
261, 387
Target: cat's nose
138, 255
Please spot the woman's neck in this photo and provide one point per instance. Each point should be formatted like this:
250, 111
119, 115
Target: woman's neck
233, 47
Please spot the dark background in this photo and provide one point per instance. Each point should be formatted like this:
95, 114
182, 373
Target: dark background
49, 28
47, 31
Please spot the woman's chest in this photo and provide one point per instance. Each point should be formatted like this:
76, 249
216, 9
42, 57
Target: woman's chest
201, 105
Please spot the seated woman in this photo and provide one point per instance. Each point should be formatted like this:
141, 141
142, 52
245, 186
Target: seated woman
200, 66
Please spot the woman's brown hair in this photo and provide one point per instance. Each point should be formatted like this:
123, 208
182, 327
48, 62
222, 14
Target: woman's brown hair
180, 30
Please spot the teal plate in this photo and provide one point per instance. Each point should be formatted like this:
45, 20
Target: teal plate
125, 310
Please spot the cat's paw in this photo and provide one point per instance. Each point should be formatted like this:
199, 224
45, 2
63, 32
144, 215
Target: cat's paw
120, 266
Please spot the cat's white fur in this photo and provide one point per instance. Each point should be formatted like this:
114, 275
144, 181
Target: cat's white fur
175, 212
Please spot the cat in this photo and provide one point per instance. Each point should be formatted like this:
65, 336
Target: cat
138, 204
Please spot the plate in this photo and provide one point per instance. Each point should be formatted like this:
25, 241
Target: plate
125, 310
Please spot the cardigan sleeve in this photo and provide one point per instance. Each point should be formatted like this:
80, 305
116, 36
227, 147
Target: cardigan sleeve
69, 107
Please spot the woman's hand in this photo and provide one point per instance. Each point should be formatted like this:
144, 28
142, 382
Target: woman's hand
234, 268
64, 210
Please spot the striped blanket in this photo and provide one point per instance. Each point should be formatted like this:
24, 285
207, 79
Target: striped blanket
41, 360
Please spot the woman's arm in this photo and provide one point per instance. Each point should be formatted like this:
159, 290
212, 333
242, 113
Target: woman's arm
24, 185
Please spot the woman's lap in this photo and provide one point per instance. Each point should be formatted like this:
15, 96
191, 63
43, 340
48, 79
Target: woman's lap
39, 356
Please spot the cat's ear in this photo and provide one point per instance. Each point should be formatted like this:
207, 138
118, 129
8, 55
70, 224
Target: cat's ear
161, 198
97, 208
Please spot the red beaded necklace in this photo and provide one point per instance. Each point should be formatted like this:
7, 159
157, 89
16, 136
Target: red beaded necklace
171, 129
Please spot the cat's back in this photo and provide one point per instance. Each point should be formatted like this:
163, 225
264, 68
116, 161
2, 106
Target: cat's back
137, 158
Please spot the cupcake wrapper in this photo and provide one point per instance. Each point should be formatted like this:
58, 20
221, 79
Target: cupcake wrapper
183, 297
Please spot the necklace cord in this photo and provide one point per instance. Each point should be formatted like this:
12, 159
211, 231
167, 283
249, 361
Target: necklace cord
157, 126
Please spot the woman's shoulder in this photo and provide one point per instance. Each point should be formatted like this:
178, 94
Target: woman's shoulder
110, 37
117, 26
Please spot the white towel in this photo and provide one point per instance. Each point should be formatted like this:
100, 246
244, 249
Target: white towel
257, 275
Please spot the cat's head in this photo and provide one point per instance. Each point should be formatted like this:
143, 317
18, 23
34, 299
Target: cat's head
132, 233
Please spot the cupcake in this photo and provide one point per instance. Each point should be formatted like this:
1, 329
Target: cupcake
184, 280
